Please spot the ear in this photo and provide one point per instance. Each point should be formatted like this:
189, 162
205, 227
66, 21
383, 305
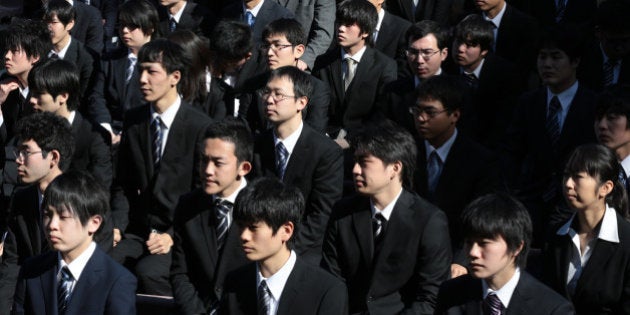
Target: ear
34, 60
444, 53
244, 168
94, 223
298, 51
606, 188
286, 231
518, 250
302, 102
397, 168
62, 98
484, 53
575, 63
70, 25
175, 77
456, 114
55, 158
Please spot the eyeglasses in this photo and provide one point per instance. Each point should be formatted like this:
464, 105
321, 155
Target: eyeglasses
424, 53
275, 47
425, 112
275, 95
23, 154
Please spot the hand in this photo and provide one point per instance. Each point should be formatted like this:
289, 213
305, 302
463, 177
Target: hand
159, 243
1, 248
458, 270
6, 86
117, 237
301, 65
342, 143
115, 138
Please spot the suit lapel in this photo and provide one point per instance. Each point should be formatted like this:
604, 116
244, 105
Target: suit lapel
48, 281
291, 288
520, 298
120, 70
175, 132
362, 226
398, 222
602, 252
363, 69
90, 276
337, 76
71, 54
562, 253
301, 149
268, 154
207, 224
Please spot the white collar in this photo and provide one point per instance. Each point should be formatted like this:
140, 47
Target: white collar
381, 15
168, 116
477, 71
255, 9
78, 264
62, 52
71, 116
290, 141
504, 293
565, 97
608, 231
387, 211
497, 19
443, 150
277, 281
356, 57
232, 198
178, 15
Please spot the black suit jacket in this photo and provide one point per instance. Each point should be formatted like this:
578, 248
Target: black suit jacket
591, 68
392, 42
199, 269
84, 61
414, 260
401, 95
152, 195
436, 10
88, 27
604, 285
316, 168
463, 296
308, 290
365, 98
578, 12
515, 36
91, 154
195, 17
105, 287
269, 12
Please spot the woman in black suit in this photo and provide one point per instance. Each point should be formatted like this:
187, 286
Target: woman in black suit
588, 257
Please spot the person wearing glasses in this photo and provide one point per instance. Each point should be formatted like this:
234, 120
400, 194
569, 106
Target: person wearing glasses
449, 162
299, 156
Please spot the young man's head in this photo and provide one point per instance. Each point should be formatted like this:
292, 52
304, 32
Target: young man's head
55, 87
44, 148
75, 207
385, 159
284, 43
473, 40
356, 21
612, 121
558, 58
490, 7
497, 231
268, 214
60, 16
426, 48
225, 157
613, 28
162, 64
438, 108
25, 43
286, 95
173, 6
231, 45
137, 23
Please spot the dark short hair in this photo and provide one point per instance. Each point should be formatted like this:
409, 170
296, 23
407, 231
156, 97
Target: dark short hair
390, 143
612, 16
449, 90
193, 86
80, 194
236, 132
565, 38
230, 41
50, 132
169, 54
361, 12
290, 28
424, 28
495, 215
32, 36
302, 82
64, 11
614, 100
475, 30
271, 201
139, 14
56, 77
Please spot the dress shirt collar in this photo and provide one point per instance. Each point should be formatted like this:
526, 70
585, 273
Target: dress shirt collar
71, 2
278, 280
356, 57
178, 15
443, 150
608, 230
168, 116
62, 53
497, 19
387, 211
232, 198
24, 92
565, 97
71, 117
381, 15
477, 70
255, 9
290, 141
76, 266
504, 293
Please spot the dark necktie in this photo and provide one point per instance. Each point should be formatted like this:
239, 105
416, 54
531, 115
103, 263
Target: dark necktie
471, 80
222, 208
54, 56
623, 178
493, 305
250, 19
264, 297
172, 25
156, 140
609, 72
434, 169
282, 156
63, 289
561, 8
378, 222
553, 121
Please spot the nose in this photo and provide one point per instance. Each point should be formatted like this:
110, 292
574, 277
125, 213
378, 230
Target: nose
53, 222
245, 235
33, 101
474, 250
144, 74
568, 182
461, 48
356, 169
209, 168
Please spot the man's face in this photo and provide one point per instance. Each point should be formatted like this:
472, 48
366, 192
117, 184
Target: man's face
282, 104
616, 44
433, 123
350, 36
17, 63
260, 243
44, 102
167, 3
220, 169
133, 36
467, 55
372, 176
66, 233
280, 52
490, 258
555, 67
424, 57
611, 130
487, 5
155, 83
33, 166
58, 31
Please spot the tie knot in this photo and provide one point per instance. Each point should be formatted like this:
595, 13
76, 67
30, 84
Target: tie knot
66, 275
380, 218
350, 61
494, 304
554, 104
223, 206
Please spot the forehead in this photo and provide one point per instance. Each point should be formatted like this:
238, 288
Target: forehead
280, 83
552, 51
31, 144
276, 38
426, 42
218, 146
152, 65
429, 102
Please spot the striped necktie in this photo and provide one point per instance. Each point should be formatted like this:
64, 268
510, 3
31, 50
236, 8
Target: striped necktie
264, 297
156, 140
64, 289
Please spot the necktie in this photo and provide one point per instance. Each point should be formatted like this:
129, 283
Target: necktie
553, 122
350, 70
130, 68
172, 25
250, 19
222, 208
63, 289
609, 72
434, 168
471, 80
377, 225
493, 304
54, 56
282, 156
264, 297
561, 7
156, 140
623, 178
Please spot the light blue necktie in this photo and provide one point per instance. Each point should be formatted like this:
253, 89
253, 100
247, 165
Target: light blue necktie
250, 19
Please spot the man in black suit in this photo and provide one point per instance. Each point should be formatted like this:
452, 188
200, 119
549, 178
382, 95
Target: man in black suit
416, 11
566, 12
390, 246
389, 35
449, 162
88, 27
300, 156
76, 277
157, 164
185, 15
257, 14
548, 124
497, 229
206, 242
356, 73
278, 281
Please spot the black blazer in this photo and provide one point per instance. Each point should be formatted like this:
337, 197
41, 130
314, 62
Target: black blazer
391, 39
195, 17
269, 12
604, 286
436, 10
84, 61
414, 260
91, 154
463, 296
308, 290
578, 13
152, 196
365, 98
515, 36
88, 27
316, 168
198, 269
105, 287
591, 68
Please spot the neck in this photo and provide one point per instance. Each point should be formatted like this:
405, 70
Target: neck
494, 11
61, 44
387, 195
251, 4
352, 50
590, 217
63, 112
500, 279
472, 67
175, 7
623, 151
165, 102
23, 79
271, 265
439, 141
44, 182
563, 86
285, 129
70, 256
